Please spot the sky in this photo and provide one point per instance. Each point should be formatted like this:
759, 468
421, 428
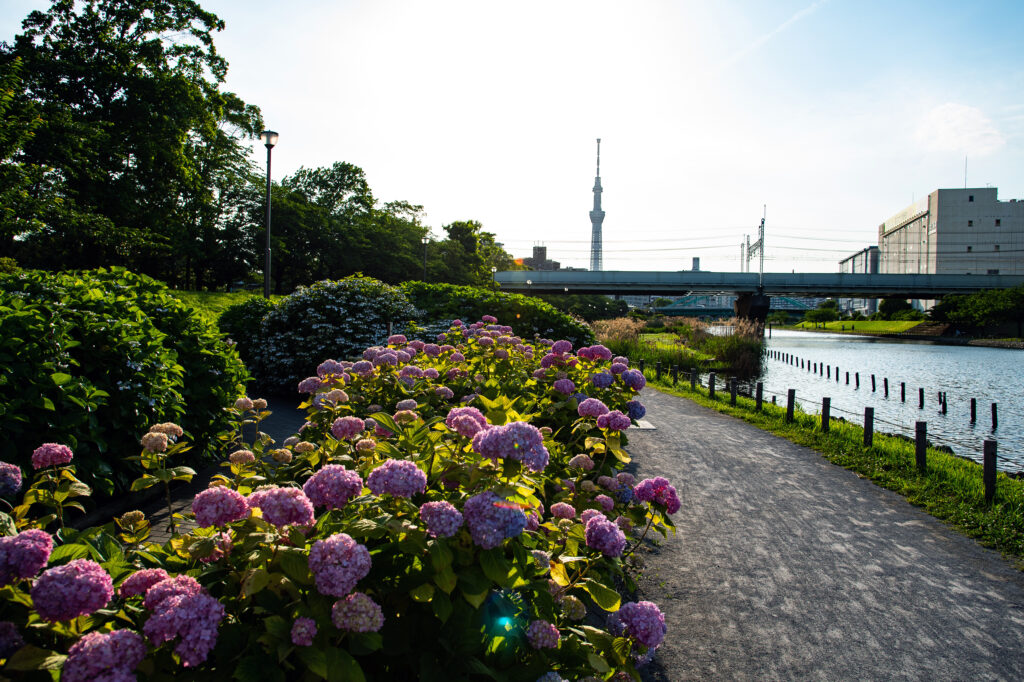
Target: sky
826, 117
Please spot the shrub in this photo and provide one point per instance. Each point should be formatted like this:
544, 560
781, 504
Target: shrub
475, 549
92, 358
532, 317
329, 319
618, 329
242, 323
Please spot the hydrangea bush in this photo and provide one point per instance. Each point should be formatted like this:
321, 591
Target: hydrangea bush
404, 533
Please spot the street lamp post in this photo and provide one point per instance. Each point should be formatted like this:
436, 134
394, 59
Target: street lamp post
269, 139
425, 240
494, 281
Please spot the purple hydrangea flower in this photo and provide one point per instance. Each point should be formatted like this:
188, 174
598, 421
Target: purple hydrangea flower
589, 514
613, 421
408, 404
605, 536
10, 479
338, 563
194, 617
431, 350
347, 428
643, 621
397, 340
658, 490
625, 478
10, 639
634, 379
179, 585
442, 518
363, 368
561, 510
607, 503
602, 379
592, 407
284, 507
24, 555
303, 631
357, 613
565, 386
466, 421
518, 441
491, 519
109, 656
431, 373
618, 368
582, 462
444, 393
75, 589
636, 410
51, 454
542, 635
330, 367
219, 506
309, 385
137, 583
397, 477
333, 486
600, 352
562, 346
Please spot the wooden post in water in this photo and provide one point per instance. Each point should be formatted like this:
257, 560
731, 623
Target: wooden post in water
693, 378
711, 385
995, 419
869, 426
988, 473
675, 374
856, 375
773, 400
759, 395
885, 386
921, 445
974, 410
826, 403
920, 398
837, 374
945, 403
828, 371
847, 378
872, 383
790, 404
903, 391
732, 391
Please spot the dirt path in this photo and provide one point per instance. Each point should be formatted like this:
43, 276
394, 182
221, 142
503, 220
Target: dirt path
786, 566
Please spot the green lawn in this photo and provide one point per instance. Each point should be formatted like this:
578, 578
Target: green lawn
211, 304
859, 326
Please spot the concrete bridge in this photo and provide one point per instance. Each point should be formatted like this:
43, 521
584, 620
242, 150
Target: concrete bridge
752, 300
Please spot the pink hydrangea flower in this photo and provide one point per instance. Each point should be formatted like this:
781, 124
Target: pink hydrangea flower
409, 403
542, 635
194, 618
140, 581
492, 519
75, 589
658, 490
607, 503
561, 510
592, 407
309, 385
284, 507
643, 621
338, 563
333, 486
442, 518
109, 656
466, 421
303, 631
562, 346
178, 586
24, 555
517, 441
565, 386
397, 477
357, 613
51, 454
10, 479
588, 514
605, 536
242, 457
219, 506
397, 340
613, 421
347, 428
582, 462
222, 546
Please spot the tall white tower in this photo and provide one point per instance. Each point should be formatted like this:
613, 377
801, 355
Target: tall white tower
596, 218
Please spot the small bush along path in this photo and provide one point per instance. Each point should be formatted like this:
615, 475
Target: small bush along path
786, 566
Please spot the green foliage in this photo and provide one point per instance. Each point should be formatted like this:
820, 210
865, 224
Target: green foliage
988, 308
93, 358
475, 599
888, 307
242, 322
778, 317
442, 303
8, 266
330, 319
588, 307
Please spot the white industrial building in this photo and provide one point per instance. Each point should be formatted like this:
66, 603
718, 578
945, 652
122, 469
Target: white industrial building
955, 231
865, 262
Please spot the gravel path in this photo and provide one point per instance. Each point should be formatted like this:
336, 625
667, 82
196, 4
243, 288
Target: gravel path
786, 566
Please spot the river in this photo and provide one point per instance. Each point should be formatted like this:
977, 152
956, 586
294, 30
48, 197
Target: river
963, 372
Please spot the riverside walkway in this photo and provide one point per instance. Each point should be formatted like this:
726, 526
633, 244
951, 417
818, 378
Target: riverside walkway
785, 566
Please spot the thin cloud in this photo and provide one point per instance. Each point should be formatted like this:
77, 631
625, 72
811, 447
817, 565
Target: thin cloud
760, 41
953, 127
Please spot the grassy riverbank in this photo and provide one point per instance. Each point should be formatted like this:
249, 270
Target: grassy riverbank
951, 489
856, 326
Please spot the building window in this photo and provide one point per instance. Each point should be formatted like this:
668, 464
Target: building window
998, 222
992, 272
970, 197
970, 223
969, 248
997, 247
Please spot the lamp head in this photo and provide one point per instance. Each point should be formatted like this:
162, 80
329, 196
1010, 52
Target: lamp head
268, 138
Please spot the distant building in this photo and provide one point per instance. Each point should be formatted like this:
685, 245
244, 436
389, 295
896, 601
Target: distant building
539, 260
955, 231
864, 261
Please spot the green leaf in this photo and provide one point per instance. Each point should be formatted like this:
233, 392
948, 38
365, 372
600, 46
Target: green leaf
496, 566
59, 378
475, 599
31, 657
424, 593
7, 526
296, 566
315, 659
622, 648
65, 553
258, 668
143, 482
255, 581
442, 606
440, 556
341, 667
598, 663
607, 598
278, 627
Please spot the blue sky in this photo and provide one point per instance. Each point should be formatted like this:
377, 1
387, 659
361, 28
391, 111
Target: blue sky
836, 114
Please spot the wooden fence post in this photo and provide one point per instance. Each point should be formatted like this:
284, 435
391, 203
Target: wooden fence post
693, 378
869, 426
921, 445
657, 370
675, 374
711, 385
641, 365
989, 470
732, 391
826, 403
790, 404
760, 393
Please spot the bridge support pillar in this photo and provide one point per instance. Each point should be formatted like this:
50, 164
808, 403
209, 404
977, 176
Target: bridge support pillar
752, 306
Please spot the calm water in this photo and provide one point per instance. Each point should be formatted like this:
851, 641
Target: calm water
988, 374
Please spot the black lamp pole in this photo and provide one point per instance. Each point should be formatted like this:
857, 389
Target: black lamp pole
425, 240
269, 139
